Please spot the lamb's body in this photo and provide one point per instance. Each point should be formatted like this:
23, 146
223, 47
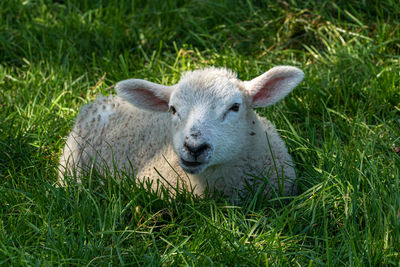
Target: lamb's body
115, 134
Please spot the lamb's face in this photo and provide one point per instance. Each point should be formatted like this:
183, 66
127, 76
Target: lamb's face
209, 109
208, 116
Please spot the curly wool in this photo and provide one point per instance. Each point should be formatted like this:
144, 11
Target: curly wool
112, 133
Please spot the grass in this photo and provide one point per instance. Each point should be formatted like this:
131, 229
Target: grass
342, 125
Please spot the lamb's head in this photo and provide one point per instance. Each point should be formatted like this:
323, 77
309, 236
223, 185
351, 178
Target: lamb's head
210, 109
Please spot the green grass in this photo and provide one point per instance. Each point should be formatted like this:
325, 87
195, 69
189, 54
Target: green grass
341, 125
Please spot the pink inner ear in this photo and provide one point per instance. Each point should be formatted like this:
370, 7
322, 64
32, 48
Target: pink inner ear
152, 100
267, 91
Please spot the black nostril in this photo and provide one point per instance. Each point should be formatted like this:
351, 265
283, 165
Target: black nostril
196, 150
195, 135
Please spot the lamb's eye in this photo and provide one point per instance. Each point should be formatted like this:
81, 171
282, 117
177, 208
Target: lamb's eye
172, 110
234, 107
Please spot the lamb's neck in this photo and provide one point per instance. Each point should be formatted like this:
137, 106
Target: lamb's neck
256, 140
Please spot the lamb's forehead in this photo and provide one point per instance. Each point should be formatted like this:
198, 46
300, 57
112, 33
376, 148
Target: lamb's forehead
209, 83
210, 73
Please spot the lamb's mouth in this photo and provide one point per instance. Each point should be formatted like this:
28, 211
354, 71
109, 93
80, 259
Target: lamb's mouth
192, 166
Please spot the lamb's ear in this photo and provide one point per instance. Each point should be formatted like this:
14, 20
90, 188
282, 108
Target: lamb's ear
144, 94
273, 85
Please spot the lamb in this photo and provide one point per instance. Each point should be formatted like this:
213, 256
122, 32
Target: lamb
201, 133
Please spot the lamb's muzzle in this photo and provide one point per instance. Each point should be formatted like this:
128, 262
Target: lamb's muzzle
195, 155
196, 150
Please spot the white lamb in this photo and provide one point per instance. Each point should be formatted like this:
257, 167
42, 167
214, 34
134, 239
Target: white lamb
210, 138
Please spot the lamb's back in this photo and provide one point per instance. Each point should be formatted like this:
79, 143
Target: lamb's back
111, 133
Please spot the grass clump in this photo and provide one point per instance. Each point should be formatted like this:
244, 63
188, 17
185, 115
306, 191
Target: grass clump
342, 125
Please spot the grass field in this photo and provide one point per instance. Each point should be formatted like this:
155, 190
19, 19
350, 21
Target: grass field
342, 126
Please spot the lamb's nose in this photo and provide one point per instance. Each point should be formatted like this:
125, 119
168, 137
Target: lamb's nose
195, 150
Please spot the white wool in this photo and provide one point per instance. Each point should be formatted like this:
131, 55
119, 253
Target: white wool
211, 138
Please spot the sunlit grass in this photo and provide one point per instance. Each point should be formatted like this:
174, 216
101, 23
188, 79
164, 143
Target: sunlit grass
342, 125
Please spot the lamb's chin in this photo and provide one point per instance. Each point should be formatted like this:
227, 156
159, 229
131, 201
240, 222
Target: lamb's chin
192, 167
